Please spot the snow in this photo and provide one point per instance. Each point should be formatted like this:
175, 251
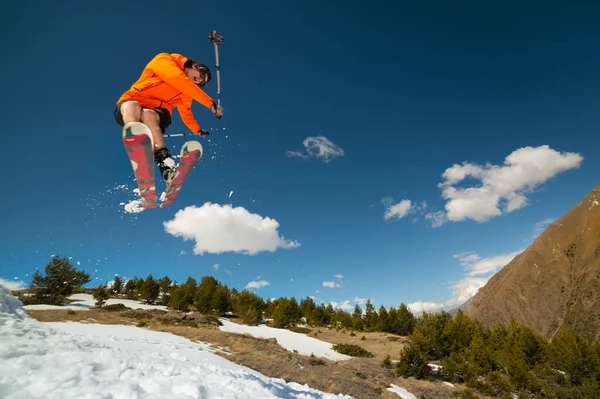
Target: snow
87, 301
403, 393
134, 206
290, 340
74, 360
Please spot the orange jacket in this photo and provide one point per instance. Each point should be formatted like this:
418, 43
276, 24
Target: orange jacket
163, 83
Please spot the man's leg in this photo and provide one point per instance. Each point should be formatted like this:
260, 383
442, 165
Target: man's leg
151, 119
161, 153
131, 111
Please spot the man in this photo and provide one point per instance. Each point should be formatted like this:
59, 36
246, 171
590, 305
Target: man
167, 81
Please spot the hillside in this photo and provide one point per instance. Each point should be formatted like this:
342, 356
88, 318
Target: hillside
554, 282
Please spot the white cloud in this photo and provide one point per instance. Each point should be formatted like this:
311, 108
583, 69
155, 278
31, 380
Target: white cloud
476, 266
222, 228
295, 154
318, 147
331, 284
542, 225
13, 285
399, 210
257, 284
216, 266
360, 301
503, 188
338, 276
468, 286
345, 305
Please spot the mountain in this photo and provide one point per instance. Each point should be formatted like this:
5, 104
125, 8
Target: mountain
555, 281
462, 307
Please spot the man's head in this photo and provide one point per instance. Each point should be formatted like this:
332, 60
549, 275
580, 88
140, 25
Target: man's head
197, 72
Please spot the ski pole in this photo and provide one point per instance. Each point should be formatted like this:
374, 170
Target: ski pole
178, 134
216, 39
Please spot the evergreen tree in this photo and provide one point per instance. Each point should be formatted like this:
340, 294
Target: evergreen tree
101, 295
248, 306
182, 297
130, 291
222, 300
413, 360
405, 322
286, 312
59, 282
166, 286
357, 318
371, 318
149, 289
203, 299
117, 285
307, 309
320, 317
432, 326
459, 332
573, 354
383, 324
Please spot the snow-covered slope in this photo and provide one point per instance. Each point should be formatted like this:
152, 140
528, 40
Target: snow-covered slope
74, 360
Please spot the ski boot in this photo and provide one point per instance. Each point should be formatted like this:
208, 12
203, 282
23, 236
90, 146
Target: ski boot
165, 163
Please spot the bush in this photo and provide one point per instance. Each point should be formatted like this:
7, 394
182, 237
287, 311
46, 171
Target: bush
387, 362
314, 361
352, 350
59, 282
115, 307
142, 323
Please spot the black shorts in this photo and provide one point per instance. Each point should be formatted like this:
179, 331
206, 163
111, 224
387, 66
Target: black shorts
163, 113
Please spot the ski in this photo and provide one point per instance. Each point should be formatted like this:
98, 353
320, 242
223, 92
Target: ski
191, 152
137, 139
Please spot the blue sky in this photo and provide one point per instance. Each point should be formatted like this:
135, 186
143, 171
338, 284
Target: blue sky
362, 153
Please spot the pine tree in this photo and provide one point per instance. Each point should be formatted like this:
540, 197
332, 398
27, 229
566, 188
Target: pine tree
432, 326
459, 332
371, 318
117, 285
59, 282
130, 291
573, 354
357, 318
203, 298
183, 296
384, 320
405, 323
307, 309
101, 295
222, 300
413, 360
166, 286
149, 290
248, 306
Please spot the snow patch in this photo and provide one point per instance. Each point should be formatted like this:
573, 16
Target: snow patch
403, 393
289, 340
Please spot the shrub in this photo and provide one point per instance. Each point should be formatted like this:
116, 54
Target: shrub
352, 350
314, 361
115, 307
142, 323
387, 362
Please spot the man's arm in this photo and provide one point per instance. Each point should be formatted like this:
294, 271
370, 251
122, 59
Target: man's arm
185, 112
167, 69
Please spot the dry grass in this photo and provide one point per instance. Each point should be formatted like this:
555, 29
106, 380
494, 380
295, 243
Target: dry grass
358, 377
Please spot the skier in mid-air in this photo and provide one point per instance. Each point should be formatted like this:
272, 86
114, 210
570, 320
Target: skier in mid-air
167, 81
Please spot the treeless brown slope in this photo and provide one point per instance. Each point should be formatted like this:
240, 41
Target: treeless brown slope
554, 282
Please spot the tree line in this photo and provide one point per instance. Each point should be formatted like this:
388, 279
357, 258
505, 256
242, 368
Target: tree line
501, 361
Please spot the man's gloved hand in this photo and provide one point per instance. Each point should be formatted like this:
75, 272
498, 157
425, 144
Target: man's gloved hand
203, 132
217, 111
